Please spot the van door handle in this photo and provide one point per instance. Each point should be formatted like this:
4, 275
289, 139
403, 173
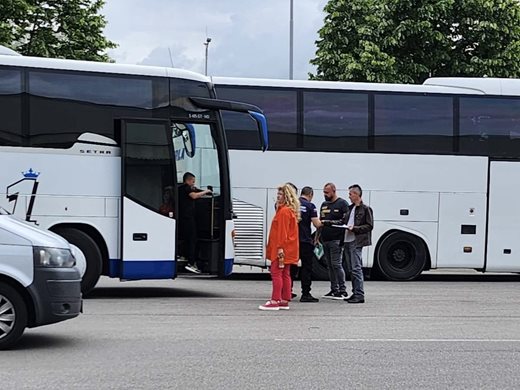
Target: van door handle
140, 236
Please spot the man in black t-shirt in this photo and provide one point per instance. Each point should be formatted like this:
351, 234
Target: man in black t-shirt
188, 194
309, 216
333, 209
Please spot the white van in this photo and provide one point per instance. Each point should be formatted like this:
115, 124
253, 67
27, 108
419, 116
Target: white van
39, 283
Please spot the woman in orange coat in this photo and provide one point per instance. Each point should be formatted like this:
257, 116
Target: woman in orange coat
283, 247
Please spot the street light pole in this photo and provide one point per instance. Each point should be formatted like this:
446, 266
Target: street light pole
208, 40
291, 38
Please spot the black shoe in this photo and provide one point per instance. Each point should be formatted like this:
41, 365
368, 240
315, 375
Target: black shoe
308, 298
329, 295
356, 299
293, 295
340, 295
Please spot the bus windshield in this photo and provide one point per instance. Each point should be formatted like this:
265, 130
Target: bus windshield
203, 162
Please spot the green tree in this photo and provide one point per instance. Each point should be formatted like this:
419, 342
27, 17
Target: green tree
55, 28
410, 40
10, 12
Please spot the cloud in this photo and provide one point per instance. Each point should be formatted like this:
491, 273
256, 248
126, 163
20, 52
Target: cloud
249, 39
169, 56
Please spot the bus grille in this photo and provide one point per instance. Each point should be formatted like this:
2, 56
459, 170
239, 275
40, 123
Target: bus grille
249, 231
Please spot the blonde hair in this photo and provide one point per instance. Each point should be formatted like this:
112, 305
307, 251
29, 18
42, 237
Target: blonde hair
291, 199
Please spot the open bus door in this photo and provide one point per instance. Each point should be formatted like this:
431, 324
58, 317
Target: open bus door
148, 227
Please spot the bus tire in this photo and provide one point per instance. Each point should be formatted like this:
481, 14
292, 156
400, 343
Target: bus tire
92, 254
13, 316
320, 271
401, 256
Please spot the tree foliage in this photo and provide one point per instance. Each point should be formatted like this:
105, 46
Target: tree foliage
408, 41
55, 28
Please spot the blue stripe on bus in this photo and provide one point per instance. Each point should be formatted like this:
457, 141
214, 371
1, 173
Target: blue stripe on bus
228, 266
166, 269
143, 269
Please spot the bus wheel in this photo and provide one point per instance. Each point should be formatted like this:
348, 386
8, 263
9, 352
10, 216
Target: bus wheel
401, 256
13, 316
319, 269
90, 251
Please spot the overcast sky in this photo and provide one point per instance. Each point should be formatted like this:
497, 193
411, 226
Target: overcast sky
248, 38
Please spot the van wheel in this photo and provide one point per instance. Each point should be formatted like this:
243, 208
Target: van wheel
13, 316
90, 251
401, 256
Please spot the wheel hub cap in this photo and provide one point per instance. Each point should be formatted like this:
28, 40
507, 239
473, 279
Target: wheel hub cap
7, 316
399, 255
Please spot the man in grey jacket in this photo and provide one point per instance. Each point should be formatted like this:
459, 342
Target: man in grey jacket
360, 222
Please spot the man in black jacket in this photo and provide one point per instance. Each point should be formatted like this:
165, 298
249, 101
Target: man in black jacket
360, 222
332, 210
309, 216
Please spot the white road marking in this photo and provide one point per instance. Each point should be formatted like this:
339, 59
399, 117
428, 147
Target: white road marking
408, 340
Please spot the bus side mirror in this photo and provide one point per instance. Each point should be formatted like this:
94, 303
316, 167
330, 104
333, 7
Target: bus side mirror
261, 122
189, 140
186, 132
227, 105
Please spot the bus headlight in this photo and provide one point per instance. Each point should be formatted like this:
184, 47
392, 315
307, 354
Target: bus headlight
53, 257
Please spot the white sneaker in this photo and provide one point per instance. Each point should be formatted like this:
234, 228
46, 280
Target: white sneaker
329, 295
192, 268
269, 305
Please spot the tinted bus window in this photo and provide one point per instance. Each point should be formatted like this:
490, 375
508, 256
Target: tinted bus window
186, 88
335, 121
10, 107
413, 124
148, 167
64, 105
279, 107
490, 126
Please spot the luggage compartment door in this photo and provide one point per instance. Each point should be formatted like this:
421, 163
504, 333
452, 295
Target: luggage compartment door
503, 249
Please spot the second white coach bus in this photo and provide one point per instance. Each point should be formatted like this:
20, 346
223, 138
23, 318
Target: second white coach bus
95, 152
439, 164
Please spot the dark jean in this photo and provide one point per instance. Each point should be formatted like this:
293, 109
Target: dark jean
333, 256
307, 257
188, 233
355, 267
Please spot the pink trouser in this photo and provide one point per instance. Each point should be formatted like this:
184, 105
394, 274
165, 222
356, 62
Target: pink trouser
281, 282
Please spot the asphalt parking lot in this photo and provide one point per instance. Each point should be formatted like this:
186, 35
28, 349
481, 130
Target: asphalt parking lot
457, 331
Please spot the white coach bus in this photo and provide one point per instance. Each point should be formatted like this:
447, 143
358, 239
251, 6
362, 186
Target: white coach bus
95, 152
439, 164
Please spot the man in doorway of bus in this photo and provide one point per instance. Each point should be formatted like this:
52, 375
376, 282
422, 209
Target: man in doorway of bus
359, 222
188, 194
333, 209
309, 216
